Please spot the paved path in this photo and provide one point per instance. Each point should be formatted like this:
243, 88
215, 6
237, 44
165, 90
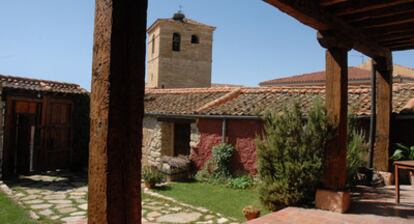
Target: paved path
63, 197
56, 196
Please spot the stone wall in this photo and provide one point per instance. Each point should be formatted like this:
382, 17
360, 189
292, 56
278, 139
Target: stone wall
151, 142
189, 67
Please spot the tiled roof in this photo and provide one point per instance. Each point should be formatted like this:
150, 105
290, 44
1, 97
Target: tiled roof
255, 101
319, 77
358, 74
180, 101
185, 20
13, 82
225, 85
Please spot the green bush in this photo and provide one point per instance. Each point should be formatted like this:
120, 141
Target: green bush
242, 182
356, 154
217, 169
403, 152
152, 175
290, 155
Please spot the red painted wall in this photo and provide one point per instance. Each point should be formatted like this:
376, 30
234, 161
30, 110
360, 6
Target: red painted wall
240, 133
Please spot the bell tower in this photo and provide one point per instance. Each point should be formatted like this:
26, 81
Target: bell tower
179, 53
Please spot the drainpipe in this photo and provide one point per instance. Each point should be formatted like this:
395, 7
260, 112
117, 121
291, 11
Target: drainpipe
223, 130
372, 126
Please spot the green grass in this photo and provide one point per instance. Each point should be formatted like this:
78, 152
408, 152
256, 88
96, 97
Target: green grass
11, 213
216, 198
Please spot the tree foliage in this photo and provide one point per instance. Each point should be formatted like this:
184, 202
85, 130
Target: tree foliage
290, 155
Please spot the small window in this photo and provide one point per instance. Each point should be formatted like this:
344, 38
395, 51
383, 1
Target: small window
176, 42
195, 39
153, 44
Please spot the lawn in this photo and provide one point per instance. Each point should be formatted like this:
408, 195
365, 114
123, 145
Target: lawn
11, 213
216, 198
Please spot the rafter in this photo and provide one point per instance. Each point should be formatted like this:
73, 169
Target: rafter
380, 13
310, 13
403, 48
387, 21
365, 6
330, 2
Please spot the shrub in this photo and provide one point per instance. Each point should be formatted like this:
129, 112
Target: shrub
356, 154
403, 152
242, 182
152, 175
217, 169
290, 155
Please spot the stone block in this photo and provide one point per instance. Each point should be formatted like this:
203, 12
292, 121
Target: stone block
335, 201
388, 177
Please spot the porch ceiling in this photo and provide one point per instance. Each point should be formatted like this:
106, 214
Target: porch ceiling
375, 27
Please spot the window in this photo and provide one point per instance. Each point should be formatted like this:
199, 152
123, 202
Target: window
153, 44
176, 42
195, 39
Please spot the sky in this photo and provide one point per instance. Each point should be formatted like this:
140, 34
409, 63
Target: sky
253, 42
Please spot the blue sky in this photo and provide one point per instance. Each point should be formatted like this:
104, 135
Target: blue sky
51, 39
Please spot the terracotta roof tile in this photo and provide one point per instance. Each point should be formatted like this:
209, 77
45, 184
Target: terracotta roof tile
180, 100
255, 101
319, 77
13, 82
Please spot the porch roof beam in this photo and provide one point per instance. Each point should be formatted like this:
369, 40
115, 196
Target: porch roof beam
310, 14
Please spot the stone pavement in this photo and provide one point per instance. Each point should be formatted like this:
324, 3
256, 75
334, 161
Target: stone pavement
55, 195
62, 197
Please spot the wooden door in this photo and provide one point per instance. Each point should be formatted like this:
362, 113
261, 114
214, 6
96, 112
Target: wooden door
57, 136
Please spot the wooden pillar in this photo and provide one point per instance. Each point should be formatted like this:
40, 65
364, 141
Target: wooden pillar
383, 67
332, 196
116, 111
334, 177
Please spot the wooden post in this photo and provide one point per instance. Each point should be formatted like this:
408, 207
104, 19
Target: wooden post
116, 111
332, 196
334, 177
383, 67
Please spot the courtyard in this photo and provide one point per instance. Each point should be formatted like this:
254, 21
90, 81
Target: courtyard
61, 197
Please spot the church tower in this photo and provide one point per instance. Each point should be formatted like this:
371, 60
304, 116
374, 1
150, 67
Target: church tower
179, 53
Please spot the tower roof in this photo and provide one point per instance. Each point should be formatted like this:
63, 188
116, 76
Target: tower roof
179, 17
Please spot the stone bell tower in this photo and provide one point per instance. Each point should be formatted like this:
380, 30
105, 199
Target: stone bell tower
179, 53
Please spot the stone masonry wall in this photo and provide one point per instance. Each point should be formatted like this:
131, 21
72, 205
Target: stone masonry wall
151, 142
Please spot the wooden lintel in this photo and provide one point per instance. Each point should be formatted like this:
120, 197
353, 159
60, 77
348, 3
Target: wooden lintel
310, 13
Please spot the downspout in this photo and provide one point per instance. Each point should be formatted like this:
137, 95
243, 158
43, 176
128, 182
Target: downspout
224, 131
372, 126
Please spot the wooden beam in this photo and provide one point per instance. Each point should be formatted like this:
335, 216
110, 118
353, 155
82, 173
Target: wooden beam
330, 2
403, 48
310, 13
386, 21
380, 13
334, 177
367, 5
118, 73
401, 35
383, 67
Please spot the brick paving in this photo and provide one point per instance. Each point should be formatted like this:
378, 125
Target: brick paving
369, 206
